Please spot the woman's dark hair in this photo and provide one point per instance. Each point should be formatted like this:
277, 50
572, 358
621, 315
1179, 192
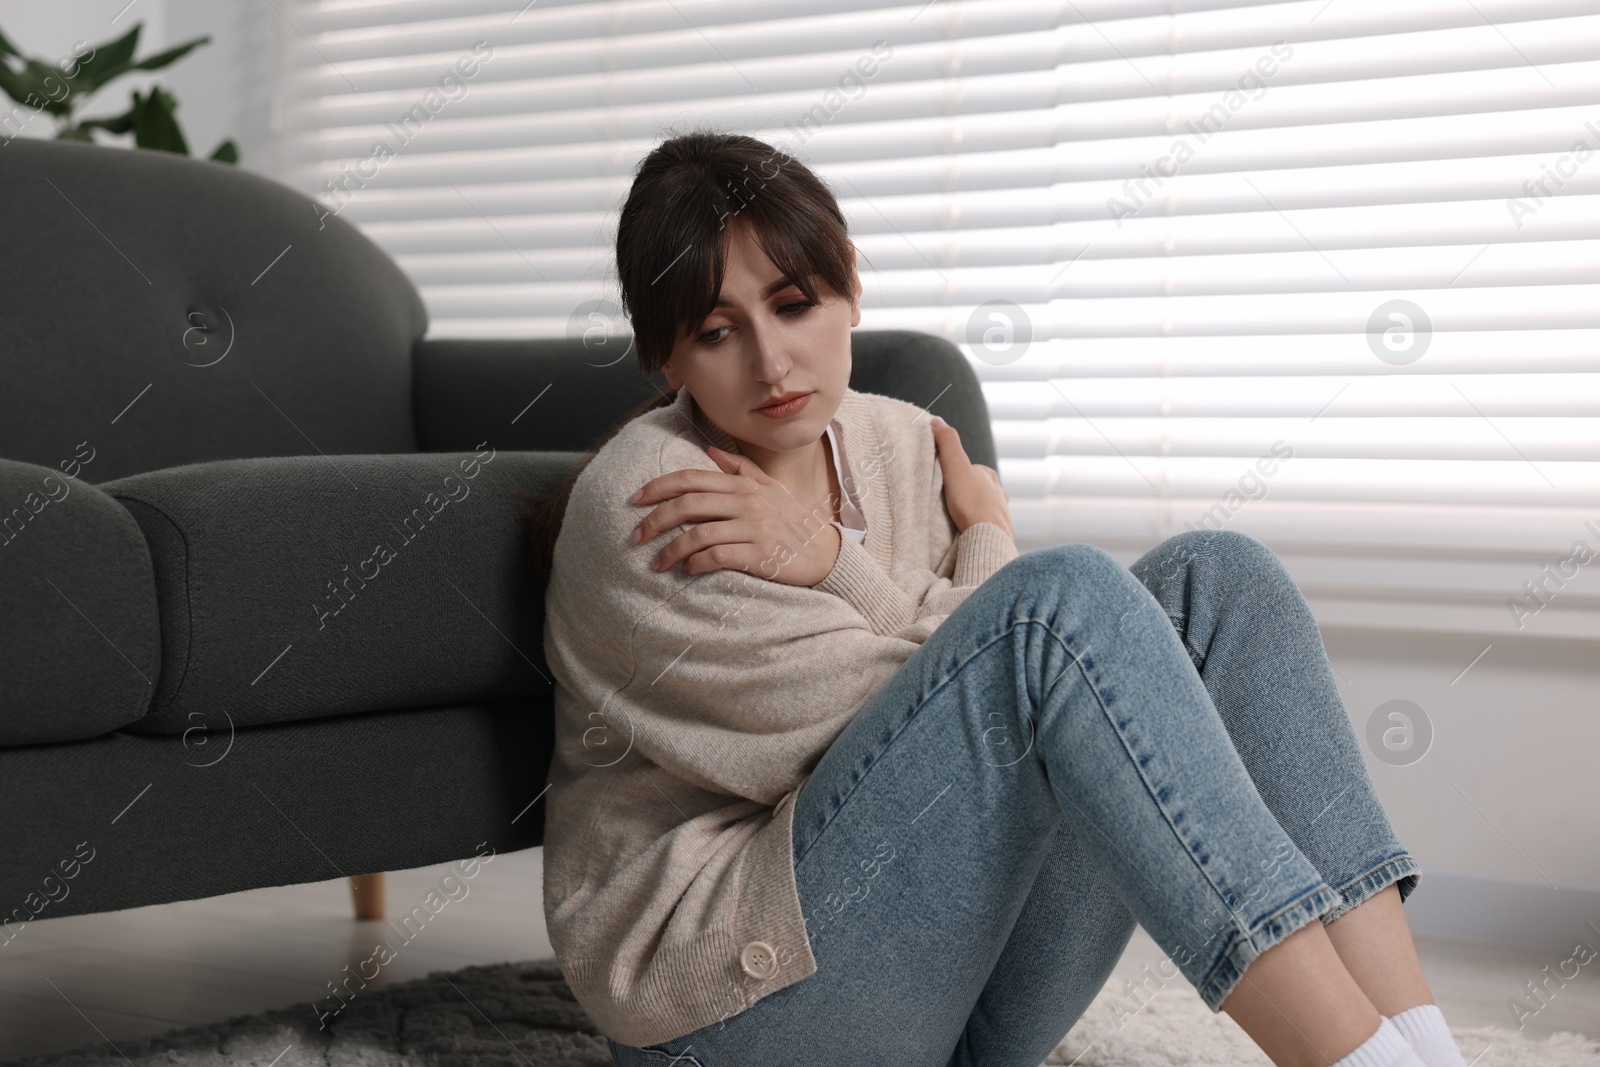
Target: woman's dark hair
671, 250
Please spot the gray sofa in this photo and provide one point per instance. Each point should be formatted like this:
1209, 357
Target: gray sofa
268, 616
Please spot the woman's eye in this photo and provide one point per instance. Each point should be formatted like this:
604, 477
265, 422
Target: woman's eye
712, 337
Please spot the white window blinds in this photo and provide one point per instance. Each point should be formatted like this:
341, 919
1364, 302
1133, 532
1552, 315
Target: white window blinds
1324, 272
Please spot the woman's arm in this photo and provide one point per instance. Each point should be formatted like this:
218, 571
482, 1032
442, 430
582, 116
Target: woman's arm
860, 580
730, 681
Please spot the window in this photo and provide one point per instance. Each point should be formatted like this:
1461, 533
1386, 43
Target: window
1324, 272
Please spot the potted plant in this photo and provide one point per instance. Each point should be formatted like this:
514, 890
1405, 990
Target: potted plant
59, 90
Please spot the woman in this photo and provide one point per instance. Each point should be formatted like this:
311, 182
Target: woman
842, 778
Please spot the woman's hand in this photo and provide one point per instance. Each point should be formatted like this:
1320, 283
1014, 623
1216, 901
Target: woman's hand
972, 492
747, 521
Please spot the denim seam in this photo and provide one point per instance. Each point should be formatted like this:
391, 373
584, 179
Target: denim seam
1239, 928
985, 646
935, 691
943, 682
1317, 901
1149, 787
1372, 882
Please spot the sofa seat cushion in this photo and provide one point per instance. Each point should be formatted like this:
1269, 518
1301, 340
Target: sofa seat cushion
299, 587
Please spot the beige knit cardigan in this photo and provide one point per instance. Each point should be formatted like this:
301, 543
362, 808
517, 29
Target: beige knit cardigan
690, 709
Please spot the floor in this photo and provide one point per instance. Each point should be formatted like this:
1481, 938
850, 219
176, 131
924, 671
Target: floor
72, 981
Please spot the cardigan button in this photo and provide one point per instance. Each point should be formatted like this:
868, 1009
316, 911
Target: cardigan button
759, 960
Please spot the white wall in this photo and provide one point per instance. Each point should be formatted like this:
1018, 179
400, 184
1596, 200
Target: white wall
1505, 806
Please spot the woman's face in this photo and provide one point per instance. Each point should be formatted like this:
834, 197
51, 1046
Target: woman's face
762, 340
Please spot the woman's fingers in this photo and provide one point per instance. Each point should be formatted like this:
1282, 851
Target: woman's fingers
969, 496
689, 479
742, 465
730, 479
742, 548
731, 543
710, 545
690, 507
947, 445
742, 518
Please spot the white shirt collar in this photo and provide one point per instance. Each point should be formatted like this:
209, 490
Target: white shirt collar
853, 522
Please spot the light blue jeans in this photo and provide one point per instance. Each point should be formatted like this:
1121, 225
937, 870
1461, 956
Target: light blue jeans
1079, 747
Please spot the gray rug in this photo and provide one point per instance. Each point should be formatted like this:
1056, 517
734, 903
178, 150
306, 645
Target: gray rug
501, 1015
523, 1015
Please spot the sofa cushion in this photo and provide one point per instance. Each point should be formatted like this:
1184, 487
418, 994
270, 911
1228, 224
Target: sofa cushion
300, 587
80, 644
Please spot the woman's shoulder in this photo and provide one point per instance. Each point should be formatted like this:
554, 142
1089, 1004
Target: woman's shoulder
646, 447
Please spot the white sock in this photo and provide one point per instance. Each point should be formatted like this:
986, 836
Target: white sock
1424, 1029
1385, 1048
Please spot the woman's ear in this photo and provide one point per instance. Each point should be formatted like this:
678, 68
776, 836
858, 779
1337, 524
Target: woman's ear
672, 375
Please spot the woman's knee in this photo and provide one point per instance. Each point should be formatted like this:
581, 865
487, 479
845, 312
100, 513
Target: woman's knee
1080, 579
1080, 572
1233, 550
1057, 564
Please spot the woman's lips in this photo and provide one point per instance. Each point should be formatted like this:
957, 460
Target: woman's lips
783, 411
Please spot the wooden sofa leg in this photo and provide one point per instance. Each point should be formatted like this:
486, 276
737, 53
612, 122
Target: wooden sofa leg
366, 891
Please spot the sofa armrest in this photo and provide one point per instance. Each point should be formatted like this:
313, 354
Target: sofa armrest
80, 645
303, 586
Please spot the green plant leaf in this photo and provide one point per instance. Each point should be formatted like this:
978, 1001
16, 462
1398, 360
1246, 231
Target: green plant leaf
116, 58
161, 59
115, 124
106, 61
154, 124
13, 83
152, 118
38, 86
